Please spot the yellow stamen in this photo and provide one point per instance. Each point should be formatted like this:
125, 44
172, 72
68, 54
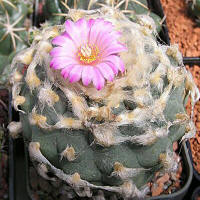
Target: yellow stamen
88, 53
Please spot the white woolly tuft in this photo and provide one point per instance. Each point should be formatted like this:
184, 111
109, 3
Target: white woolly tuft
15, 128
190, 131
126, 173
46, 95
16, 89
150, 136
148, 22
42, 171
68, 123
193, 90
68, 153
79, 105
39, 120
107, 135
169, 161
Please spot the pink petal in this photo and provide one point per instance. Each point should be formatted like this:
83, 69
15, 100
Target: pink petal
62, 52
75, 74
87, 75
82, 25
62, 62
98, 79
113, 67
73, 31
114, 49
107, 39
116, 62
65, 72
90, 22
97, 30
64, 41
106, 71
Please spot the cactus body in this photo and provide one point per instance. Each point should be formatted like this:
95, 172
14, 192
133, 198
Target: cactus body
114, 139
194, 9
13, 33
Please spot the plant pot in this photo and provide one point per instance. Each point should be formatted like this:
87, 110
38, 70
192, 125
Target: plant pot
188, 174
194, 62
191, 61
17, 167
156, 7
196, 194
196, 174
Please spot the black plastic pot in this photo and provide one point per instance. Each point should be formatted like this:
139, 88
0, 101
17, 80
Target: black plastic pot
195, 189
191, 61
187, 166
156, 7
17, 167
196, 193
196, 174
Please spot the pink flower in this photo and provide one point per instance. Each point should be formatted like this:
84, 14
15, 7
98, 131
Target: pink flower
88, 50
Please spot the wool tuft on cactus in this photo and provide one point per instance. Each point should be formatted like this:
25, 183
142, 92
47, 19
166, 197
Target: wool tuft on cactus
101, 102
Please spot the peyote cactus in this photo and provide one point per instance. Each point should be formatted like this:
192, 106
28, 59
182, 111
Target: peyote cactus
13, 33
194, 9
101, 102
55, 10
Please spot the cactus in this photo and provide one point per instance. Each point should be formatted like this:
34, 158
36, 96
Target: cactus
13, 33
194, 9
113, 138
54, 10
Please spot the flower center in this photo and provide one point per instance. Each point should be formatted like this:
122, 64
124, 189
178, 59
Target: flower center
88, 53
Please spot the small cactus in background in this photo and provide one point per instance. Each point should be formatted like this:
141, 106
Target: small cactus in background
13, 33
55, 10
102, 115
194, 9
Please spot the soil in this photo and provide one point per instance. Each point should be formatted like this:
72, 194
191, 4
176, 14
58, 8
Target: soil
195, 142
183, 31
3, 144
167, 183
182, 27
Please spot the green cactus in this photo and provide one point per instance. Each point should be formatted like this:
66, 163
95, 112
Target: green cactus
54, 10
13, 33
194, 9
114, 139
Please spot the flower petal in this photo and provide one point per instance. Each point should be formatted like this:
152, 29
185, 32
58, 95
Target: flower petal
82, 25
75, 74
73, 32
87, 75
98, 79
62, 62
113, 49
97, 31
116, 62
63, 41
65, 72
107, 39
90, 22
62, 52
106, 71
113, 67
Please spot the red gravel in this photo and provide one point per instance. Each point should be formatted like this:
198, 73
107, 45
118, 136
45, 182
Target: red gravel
182, 28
